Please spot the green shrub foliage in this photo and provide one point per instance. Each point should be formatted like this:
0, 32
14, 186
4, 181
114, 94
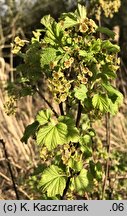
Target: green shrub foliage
79, 67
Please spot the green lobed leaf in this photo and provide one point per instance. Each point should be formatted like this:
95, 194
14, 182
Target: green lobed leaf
31, 67
43, 116
87, 151
83, 53
81, 11
54, 32
47, 21
112, 91
50, 34
106, 31
85, 145
115, 98
68, 120
75, 165
96, 45
70, 20
106, 44
38, 170
88, 56
82, 182
114, 106
48, 39
80, 92
48, 55
58, 30
85, 140
100, 102
103, 77
52, 135
53, 181
106, 71
96, 170
29, 131
73, 132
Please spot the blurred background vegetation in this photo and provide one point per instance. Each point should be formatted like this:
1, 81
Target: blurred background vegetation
21, 17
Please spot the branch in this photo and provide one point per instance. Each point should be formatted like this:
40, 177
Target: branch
47, 102
79, 112
66, 188
77, 125
67, 185
67, 105
10, 170
108, 130
19, 189
61, 108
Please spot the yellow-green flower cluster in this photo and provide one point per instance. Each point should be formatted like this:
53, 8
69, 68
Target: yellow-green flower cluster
59, 86
18, 44
108, 7
83, 75
87, 25
68, 63
67, 151
44, 153
10, 105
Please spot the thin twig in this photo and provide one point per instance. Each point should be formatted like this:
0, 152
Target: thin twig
67, 185
47, 102
10, 170
108, 131
79, 112
77, 125
19, 189
122, 63
61, 108
66, 188
67, 106
121, 76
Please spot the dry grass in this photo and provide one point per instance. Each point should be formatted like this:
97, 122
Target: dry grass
11, 131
